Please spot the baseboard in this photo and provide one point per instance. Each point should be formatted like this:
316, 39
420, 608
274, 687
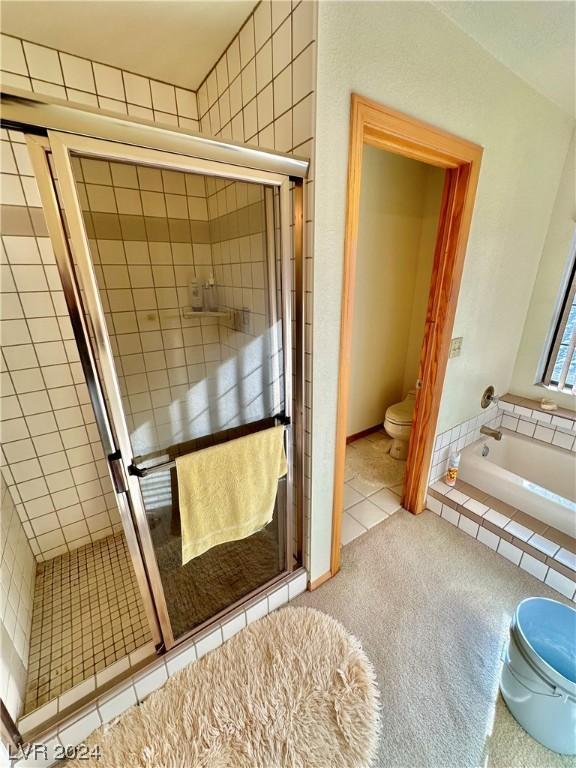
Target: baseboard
312, 585
359, 435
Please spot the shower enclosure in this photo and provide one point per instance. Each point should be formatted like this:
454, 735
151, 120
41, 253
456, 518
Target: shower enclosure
141, 218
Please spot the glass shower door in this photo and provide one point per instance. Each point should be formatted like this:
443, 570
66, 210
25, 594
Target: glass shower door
184, 271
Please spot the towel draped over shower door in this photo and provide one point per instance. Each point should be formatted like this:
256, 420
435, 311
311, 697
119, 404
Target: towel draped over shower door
227, 492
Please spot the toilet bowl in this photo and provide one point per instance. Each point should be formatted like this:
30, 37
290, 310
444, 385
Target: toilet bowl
398, 424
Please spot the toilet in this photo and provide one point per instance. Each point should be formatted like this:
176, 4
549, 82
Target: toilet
398, 424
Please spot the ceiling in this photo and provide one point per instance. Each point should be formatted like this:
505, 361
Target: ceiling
171, 40
536, 40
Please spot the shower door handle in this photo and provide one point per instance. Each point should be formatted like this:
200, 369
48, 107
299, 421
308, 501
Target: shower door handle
117, 472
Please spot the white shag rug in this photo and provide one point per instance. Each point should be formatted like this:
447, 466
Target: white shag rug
293, 690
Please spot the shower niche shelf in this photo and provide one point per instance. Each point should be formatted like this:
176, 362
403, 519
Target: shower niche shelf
188, 313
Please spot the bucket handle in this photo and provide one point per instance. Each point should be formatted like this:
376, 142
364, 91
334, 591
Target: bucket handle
525, 681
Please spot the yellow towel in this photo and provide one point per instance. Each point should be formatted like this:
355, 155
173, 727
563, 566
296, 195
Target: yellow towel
228, 491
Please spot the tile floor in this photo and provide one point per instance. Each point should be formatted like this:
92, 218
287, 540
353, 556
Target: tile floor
87, 614
368, 499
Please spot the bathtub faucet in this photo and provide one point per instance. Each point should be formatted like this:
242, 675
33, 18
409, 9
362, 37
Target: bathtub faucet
495, 433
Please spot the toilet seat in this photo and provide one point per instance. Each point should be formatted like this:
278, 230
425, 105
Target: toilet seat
402, 413
398, 425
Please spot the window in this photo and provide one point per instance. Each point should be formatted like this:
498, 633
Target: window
560, 369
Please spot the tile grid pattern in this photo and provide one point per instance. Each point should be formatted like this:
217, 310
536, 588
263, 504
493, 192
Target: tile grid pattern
547, 427
238, 225
28, 66
144, 285
262, 91
458, 437
49, 72
366, 502
297, 29
517, 414
54, 525
52, 455
134, 690
17, 571
546, 553
88, 614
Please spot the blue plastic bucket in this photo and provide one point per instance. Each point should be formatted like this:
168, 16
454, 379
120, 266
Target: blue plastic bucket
538, 679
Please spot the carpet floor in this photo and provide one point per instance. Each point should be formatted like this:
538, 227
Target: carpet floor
432, 608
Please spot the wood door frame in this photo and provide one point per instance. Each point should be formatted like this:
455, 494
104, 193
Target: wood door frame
379, 126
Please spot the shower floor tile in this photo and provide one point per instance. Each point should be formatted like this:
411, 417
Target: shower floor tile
87, 614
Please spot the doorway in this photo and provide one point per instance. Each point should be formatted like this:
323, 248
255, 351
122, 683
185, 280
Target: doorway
399, 210
374, 126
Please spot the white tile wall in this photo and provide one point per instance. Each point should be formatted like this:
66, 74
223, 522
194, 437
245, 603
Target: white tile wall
161, 357
546, 426
262, 91
458, 437
249, 95
50, 72
17, 571
52, 457
239, 267
52, 454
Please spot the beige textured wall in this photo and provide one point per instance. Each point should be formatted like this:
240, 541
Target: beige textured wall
554, 260
393, 267
412, 58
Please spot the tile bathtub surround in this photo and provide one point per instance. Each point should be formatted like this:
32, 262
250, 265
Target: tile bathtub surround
49, 72
17, 571
545, 552
523, 405
527, 417
517, 414
136, 687
458, 437
88, 614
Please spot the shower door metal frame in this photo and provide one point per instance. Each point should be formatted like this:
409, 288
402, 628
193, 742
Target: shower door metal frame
62, 146
38, 148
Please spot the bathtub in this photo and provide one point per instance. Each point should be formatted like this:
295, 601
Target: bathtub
535, 477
